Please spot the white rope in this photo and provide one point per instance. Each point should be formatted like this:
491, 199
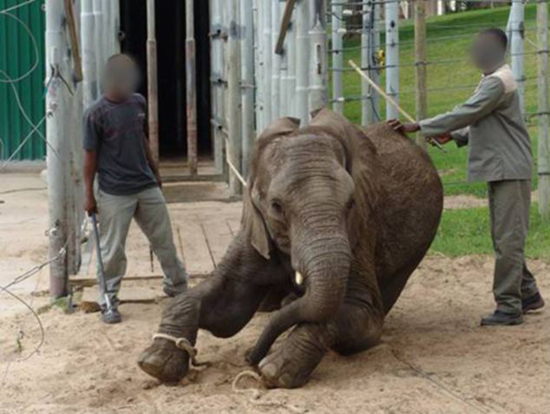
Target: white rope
233, 168
184, 345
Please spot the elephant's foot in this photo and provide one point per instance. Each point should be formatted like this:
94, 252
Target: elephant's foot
291, 364
163, 360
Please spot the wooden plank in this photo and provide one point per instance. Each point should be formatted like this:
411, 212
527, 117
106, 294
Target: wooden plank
195, 248
134, 294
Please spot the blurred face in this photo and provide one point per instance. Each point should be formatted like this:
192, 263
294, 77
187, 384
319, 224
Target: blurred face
121, 77
487, 52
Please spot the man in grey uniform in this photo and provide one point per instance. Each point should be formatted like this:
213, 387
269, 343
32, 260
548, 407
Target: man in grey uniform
491, 123
117, 149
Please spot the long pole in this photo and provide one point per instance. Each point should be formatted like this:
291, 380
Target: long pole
152, 87
370, 43
392, 56
267, 61
516, 27
234, 99
421, 99
58, 191
337, 58
217, 81
275, 61
302, 60
191, 86
98, 43
318, 57
89, 65
543, 109
247, 84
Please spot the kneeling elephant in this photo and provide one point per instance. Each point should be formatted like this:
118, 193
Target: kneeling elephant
337, 215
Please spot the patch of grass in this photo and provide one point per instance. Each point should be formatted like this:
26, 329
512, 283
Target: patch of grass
445, 80
467, 231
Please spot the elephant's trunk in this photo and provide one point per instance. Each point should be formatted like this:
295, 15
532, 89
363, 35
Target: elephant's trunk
322, 256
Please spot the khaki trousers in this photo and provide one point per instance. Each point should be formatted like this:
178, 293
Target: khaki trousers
115, 214
509, 203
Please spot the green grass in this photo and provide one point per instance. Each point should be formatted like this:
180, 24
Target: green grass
443, 78
466, 231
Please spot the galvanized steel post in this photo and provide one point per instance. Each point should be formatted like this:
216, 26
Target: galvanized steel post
370, 44
89, 65
392, 56
318, 54
152, 87
303, 24
517, 29
247, 80
337, 57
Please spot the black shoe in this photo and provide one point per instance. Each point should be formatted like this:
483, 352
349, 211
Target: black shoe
111, 316
499, 318
175, 290
533, 303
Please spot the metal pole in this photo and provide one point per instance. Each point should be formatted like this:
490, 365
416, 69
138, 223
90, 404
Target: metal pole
318, 60
370, 43
191, 85
89, 65
275, 61
216, 32
152, 87
267, 60
516, 27
258, 63
58, 190
98, 43
284, 81
421, 99
392, 56
337, 57
247, 85
302, 60
234, 101
543, 109
115, 29
291, 56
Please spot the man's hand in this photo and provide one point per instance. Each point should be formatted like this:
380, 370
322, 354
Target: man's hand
442, 139
405, 128
159, 179
90, 205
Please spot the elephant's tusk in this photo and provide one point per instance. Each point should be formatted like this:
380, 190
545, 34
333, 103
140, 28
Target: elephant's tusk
299, 278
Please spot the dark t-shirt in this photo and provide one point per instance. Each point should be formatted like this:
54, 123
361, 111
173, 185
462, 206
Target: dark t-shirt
116, 131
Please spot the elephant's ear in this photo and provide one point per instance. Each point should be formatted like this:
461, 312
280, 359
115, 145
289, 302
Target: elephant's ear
253, 224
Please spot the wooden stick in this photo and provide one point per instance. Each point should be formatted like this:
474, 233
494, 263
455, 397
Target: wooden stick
285, 24
390, 100
69, 12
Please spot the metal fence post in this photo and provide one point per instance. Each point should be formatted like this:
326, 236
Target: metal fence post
234, 98
370, 43
337, 58
275, 61
247, 80
392, 56
302, 60
421, 98
516, 28
318, 56
543, 109
152, 87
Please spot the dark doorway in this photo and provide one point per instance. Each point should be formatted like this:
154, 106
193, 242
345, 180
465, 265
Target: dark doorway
170, 27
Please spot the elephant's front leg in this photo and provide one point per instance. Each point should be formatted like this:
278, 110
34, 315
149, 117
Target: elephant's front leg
220, 305
356, 327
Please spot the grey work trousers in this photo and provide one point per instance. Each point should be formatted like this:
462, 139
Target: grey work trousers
509, 204
115, 213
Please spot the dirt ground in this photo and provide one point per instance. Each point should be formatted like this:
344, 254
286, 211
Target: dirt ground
434, 357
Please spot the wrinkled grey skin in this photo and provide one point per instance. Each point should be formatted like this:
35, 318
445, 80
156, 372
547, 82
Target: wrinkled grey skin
353, 211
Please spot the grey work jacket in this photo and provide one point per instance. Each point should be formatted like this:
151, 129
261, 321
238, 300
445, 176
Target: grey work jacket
491, 123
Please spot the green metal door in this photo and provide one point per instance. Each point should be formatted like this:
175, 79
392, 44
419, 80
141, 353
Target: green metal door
22, 28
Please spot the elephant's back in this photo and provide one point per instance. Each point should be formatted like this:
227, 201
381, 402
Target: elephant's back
409, 208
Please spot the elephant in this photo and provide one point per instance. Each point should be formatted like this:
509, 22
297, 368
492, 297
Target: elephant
336, 215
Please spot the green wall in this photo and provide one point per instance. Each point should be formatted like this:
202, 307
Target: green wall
17, 56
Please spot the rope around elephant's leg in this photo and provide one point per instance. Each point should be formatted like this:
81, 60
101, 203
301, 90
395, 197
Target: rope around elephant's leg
184, 345
255, 392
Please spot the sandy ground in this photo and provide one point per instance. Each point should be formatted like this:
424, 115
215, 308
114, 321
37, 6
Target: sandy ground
434, 358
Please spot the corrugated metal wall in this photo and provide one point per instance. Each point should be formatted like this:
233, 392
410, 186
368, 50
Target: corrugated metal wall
17, 56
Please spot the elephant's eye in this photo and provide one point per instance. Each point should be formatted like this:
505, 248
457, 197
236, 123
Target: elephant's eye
351, 204
277, 208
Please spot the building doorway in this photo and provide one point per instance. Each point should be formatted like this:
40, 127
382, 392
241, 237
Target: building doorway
170, 32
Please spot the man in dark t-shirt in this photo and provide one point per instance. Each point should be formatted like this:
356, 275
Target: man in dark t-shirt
116, 148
